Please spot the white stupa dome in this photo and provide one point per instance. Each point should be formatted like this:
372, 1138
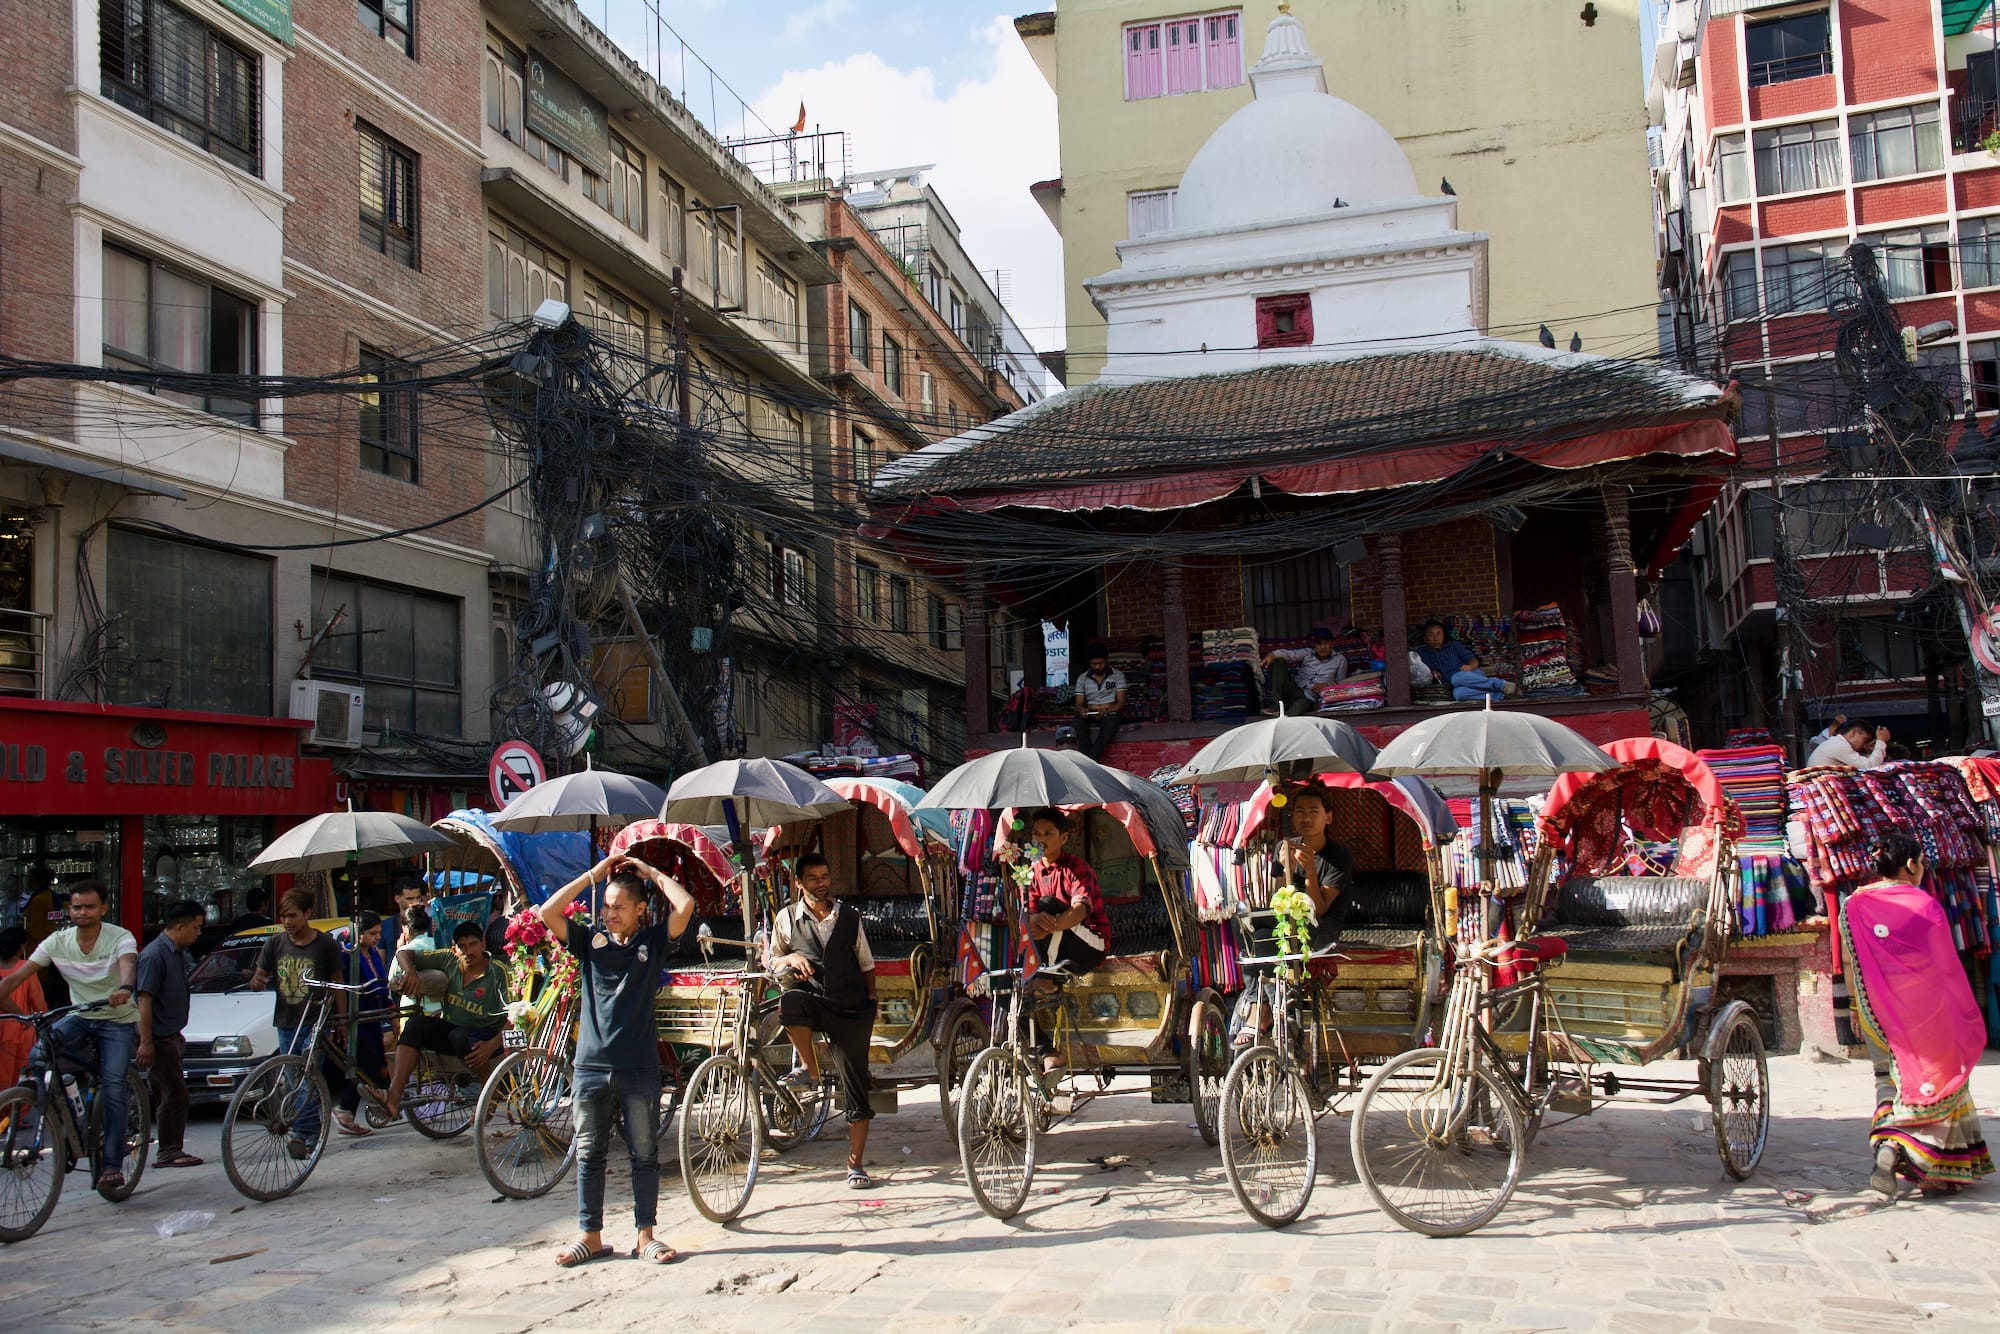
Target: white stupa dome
1294, 151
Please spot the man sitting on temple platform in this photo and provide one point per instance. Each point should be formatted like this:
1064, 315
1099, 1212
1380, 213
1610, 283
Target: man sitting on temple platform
1295, 676
1454, 663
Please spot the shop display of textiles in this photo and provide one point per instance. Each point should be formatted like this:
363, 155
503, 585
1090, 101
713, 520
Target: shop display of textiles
902, 768
1514, 845
1143, 703
1541, 637
1352, 643
1771, 882
1226, 690
1747, 736
1225, 646
1183, 794
1359, 692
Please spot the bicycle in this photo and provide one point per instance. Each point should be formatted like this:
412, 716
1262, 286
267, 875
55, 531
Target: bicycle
263, 1154
54, 1119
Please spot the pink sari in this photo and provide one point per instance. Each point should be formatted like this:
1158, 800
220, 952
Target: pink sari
1911, 994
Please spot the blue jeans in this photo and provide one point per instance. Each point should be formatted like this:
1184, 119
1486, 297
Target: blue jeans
290, 1042
1476, 685
638, 1095
116, 1043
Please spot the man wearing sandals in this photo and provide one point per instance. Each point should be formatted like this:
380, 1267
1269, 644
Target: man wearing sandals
618, 962
164, 966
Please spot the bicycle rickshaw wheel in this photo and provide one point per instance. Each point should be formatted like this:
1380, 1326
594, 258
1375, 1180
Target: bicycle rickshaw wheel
962, 1035
1270, 1139
1739, 1092
671, 1090
998, 1128
1208, 1064
257, 1129
31, 1169
788, 1120
1439, 1153
722, 1137
138, 1135
441, 1105
523, 1128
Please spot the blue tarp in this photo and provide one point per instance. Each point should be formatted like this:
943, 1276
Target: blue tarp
544, 863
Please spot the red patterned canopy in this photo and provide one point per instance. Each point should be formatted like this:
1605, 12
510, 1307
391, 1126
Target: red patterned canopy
1659, 791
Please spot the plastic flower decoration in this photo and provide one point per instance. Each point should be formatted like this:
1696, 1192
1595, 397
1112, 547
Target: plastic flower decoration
1293, 911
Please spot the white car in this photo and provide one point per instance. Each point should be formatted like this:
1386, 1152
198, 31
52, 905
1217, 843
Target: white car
229, 1028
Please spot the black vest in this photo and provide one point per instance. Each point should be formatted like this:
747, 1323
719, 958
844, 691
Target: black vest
836, 967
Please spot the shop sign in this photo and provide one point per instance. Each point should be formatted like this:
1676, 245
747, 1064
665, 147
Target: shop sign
567, 116
273, 16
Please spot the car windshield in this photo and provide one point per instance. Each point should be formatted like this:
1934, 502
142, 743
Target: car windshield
226, 968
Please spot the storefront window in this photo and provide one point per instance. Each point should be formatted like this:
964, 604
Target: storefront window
201, 857
74, 850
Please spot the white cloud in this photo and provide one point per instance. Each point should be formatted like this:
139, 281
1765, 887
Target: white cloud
824, 14
991, 136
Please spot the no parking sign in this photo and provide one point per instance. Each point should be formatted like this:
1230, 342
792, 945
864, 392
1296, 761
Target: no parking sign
514, 769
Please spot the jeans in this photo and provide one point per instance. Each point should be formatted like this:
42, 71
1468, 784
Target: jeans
637, 1093
1476, 685
116, 1043
1094, 735
290, 1042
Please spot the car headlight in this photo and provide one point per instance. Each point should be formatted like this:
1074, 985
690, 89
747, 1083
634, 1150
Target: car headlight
230, 1046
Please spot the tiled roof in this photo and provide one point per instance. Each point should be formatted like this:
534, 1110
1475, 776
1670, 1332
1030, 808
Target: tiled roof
1300, 413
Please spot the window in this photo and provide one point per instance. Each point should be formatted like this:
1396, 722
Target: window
934, 288
749, 713
1739, 285
1916, 262
1188, 55
673, 220
864, 460
899, 603
795, 580
161, 62
867, 592
399, 644
859, 336
701, 244
926, 394
521, 274
1876, 648
1807, 397
1803, 277
778, 298
957, 313
391, 20
892, 365
388, 417
1284, 321
1149, 211
159, 318
1985, 359
623, 323
729, 262
1287, 598
388, 196
1792, 158
1797, 47
190, 625
1979, 250
947, 625
1820, 517
1897, 142
625, 199
505, 87
1732, 167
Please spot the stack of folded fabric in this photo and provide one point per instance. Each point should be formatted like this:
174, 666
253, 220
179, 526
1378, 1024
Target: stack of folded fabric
1542, 636
1747, 736
1492, 641
1754, 778
1352, 643
1222, 646
1141, 704
1156, 676
1358, 692
1226, 690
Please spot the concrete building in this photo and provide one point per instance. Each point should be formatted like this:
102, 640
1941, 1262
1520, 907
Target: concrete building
1516, 105
1788, 132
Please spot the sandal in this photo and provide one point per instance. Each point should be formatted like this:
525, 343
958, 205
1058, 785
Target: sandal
858, 1179
656, 1252
349, 1126
576, 1253
178, 1158
113, 1179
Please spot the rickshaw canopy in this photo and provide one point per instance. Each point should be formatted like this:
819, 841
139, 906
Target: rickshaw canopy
536, 864
1412, 796
1661, 792
701, 845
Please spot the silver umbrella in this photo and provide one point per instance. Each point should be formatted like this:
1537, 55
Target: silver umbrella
1290, 748
591, 800
1027, 777
330, 841
740, 793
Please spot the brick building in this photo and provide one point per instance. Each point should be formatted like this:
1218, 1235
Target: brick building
1788, 132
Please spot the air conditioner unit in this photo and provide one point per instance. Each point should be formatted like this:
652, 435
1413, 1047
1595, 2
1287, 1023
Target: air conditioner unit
333, 709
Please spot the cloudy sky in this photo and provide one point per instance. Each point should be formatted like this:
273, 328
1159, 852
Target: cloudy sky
910, 81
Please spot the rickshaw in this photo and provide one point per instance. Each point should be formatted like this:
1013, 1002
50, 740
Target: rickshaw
1610, 956
1140, 1012
516, 868
1320, 1016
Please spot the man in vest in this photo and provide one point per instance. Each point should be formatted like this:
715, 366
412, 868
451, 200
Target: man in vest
818, 946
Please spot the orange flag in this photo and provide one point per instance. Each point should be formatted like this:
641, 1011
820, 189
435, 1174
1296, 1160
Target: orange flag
799, 126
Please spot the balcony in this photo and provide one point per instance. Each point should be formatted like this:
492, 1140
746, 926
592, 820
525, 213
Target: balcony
1808, 65
1973, 118
24, 648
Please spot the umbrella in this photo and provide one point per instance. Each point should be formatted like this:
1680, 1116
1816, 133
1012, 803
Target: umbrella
748, 792
581, 801
336, 838
1293, 748
1026, 777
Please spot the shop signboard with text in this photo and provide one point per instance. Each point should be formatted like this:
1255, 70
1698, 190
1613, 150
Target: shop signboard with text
273, 16
567, 116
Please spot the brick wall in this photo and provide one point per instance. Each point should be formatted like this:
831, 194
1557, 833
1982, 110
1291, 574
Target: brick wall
1732, 226
1978, 189
1982, 312
1794, 97
1719, 73
1447, 570
37, 241
1898, 199
1888, 49
1799, 217
1211, 590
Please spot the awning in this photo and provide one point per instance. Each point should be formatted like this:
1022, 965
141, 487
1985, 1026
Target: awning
1961, 16
38, 456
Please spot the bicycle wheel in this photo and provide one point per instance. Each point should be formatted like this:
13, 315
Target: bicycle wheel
31, 1168
722, 1136
269, 1144
962, 1035
791, 1117
440, 1104
998, 1126
672, 1086
523, 1131
1270, 1141
1440, 1152
1739, 1091
138, 1135
1207, 1062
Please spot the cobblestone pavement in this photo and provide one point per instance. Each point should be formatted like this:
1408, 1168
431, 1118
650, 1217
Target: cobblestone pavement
1625, 1222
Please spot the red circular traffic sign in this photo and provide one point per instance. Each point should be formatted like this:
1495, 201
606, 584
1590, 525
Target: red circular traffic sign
514, 769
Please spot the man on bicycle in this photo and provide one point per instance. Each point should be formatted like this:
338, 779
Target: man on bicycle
819, 947
617, 1042
100, 962
474, 1008
299, 954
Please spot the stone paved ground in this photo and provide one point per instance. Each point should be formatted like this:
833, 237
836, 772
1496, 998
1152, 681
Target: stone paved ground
1625, 1223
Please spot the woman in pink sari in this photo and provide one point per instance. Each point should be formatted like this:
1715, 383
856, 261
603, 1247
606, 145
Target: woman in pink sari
1914, 1009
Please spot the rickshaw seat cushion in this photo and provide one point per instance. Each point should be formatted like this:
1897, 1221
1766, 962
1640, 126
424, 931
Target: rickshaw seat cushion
1393, 898
895, 925
1141, 926
1544, 948
1628, 914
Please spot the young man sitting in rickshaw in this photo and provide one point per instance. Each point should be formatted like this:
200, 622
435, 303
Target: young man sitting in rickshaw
474, 1008
1066, 916
1321, 869
820, 948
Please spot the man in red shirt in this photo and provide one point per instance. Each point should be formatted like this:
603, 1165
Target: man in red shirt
1066, 907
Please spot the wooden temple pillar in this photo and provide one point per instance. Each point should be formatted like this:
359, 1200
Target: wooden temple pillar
1395, 622
978, 658
1174, 629
1622, 580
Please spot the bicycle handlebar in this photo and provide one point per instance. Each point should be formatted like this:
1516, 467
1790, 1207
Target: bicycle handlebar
50, 1016
351, 987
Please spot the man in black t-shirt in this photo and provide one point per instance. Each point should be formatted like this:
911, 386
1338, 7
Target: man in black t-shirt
618, 962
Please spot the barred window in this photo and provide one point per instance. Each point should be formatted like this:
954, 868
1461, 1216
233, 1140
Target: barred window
388, 196
388, 417
163, 63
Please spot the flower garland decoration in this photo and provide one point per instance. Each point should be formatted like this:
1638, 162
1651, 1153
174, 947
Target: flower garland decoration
532, 954
1292, 910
